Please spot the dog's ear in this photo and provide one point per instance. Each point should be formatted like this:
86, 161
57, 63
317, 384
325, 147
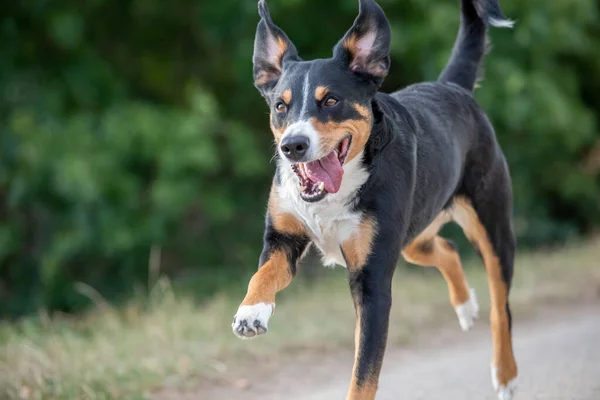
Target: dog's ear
272, 49
365, 49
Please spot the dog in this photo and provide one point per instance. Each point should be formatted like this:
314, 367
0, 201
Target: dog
367, 176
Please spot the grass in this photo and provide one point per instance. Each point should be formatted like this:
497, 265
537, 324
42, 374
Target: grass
168, 341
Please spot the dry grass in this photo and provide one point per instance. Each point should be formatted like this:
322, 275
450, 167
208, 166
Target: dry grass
172, 342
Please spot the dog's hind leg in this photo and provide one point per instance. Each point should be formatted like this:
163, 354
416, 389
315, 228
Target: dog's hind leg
430, 250
486, 220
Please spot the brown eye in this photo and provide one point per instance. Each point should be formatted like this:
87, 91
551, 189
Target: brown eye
280, 107
330, 102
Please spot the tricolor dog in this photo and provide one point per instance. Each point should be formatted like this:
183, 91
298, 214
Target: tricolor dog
366, 176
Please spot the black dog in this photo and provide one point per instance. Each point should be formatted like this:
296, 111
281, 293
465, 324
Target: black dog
366, 176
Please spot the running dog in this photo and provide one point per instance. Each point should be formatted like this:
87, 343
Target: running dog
366, 176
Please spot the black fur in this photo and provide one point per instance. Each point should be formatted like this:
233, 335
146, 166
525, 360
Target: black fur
292, 245
429, 143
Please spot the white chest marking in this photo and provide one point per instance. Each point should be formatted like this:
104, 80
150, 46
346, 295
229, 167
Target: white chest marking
330, 221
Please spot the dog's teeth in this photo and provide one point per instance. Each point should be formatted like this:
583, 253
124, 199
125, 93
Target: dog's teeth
321, 186
301, 188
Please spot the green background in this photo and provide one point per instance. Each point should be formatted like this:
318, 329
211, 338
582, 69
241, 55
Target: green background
133, 143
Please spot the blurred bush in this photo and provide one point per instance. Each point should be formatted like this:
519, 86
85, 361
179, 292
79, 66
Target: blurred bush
132, 126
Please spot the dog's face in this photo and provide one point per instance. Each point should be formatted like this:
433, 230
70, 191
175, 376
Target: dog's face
321, 114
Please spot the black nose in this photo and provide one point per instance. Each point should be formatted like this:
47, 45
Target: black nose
295, 147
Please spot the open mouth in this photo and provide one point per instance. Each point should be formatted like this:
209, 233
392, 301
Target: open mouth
322, 176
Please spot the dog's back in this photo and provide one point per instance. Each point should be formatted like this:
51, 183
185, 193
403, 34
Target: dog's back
452, 132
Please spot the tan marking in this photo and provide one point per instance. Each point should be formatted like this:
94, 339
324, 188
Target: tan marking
503, 358
275, 61
351, 44
366, 391
282, 46
286, 96
275, 274
358, 247
362, 110
284, 222
446, 260
271, 278
278, 132
442, 256
361, 61
321, 92
331, 133
356, 251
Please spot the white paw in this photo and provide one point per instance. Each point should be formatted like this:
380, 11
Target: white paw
504, 392
468, 312
250, 321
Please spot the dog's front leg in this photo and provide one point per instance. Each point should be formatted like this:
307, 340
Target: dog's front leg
371, 257
285, 241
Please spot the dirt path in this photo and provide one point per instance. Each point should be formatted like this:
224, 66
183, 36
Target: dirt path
558, 359
558, 354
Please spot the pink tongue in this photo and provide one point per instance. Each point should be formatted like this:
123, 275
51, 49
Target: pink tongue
327, 170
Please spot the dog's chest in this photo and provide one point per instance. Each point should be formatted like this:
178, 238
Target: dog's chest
332, 221
329, 228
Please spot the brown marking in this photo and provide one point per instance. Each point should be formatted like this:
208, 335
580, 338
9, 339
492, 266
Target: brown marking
271, 278
357, 248
278, 131
362, 110
361, 62
356, 251
331, 133
282, 46
321, 92
366, 391
438, 254
351, 44
430, 250
275, 61
503, 358
284, 222
286, 96
425, 247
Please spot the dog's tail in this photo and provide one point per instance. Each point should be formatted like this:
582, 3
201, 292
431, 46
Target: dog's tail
465, 62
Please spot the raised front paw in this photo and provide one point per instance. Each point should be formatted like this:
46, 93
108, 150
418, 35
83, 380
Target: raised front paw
250, 321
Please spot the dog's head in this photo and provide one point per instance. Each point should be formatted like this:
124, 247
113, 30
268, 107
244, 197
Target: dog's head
321, 113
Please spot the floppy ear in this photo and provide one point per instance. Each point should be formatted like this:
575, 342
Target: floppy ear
272, 49
365, 49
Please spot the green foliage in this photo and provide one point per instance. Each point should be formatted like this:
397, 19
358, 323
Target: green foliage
88, 195
132, 126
